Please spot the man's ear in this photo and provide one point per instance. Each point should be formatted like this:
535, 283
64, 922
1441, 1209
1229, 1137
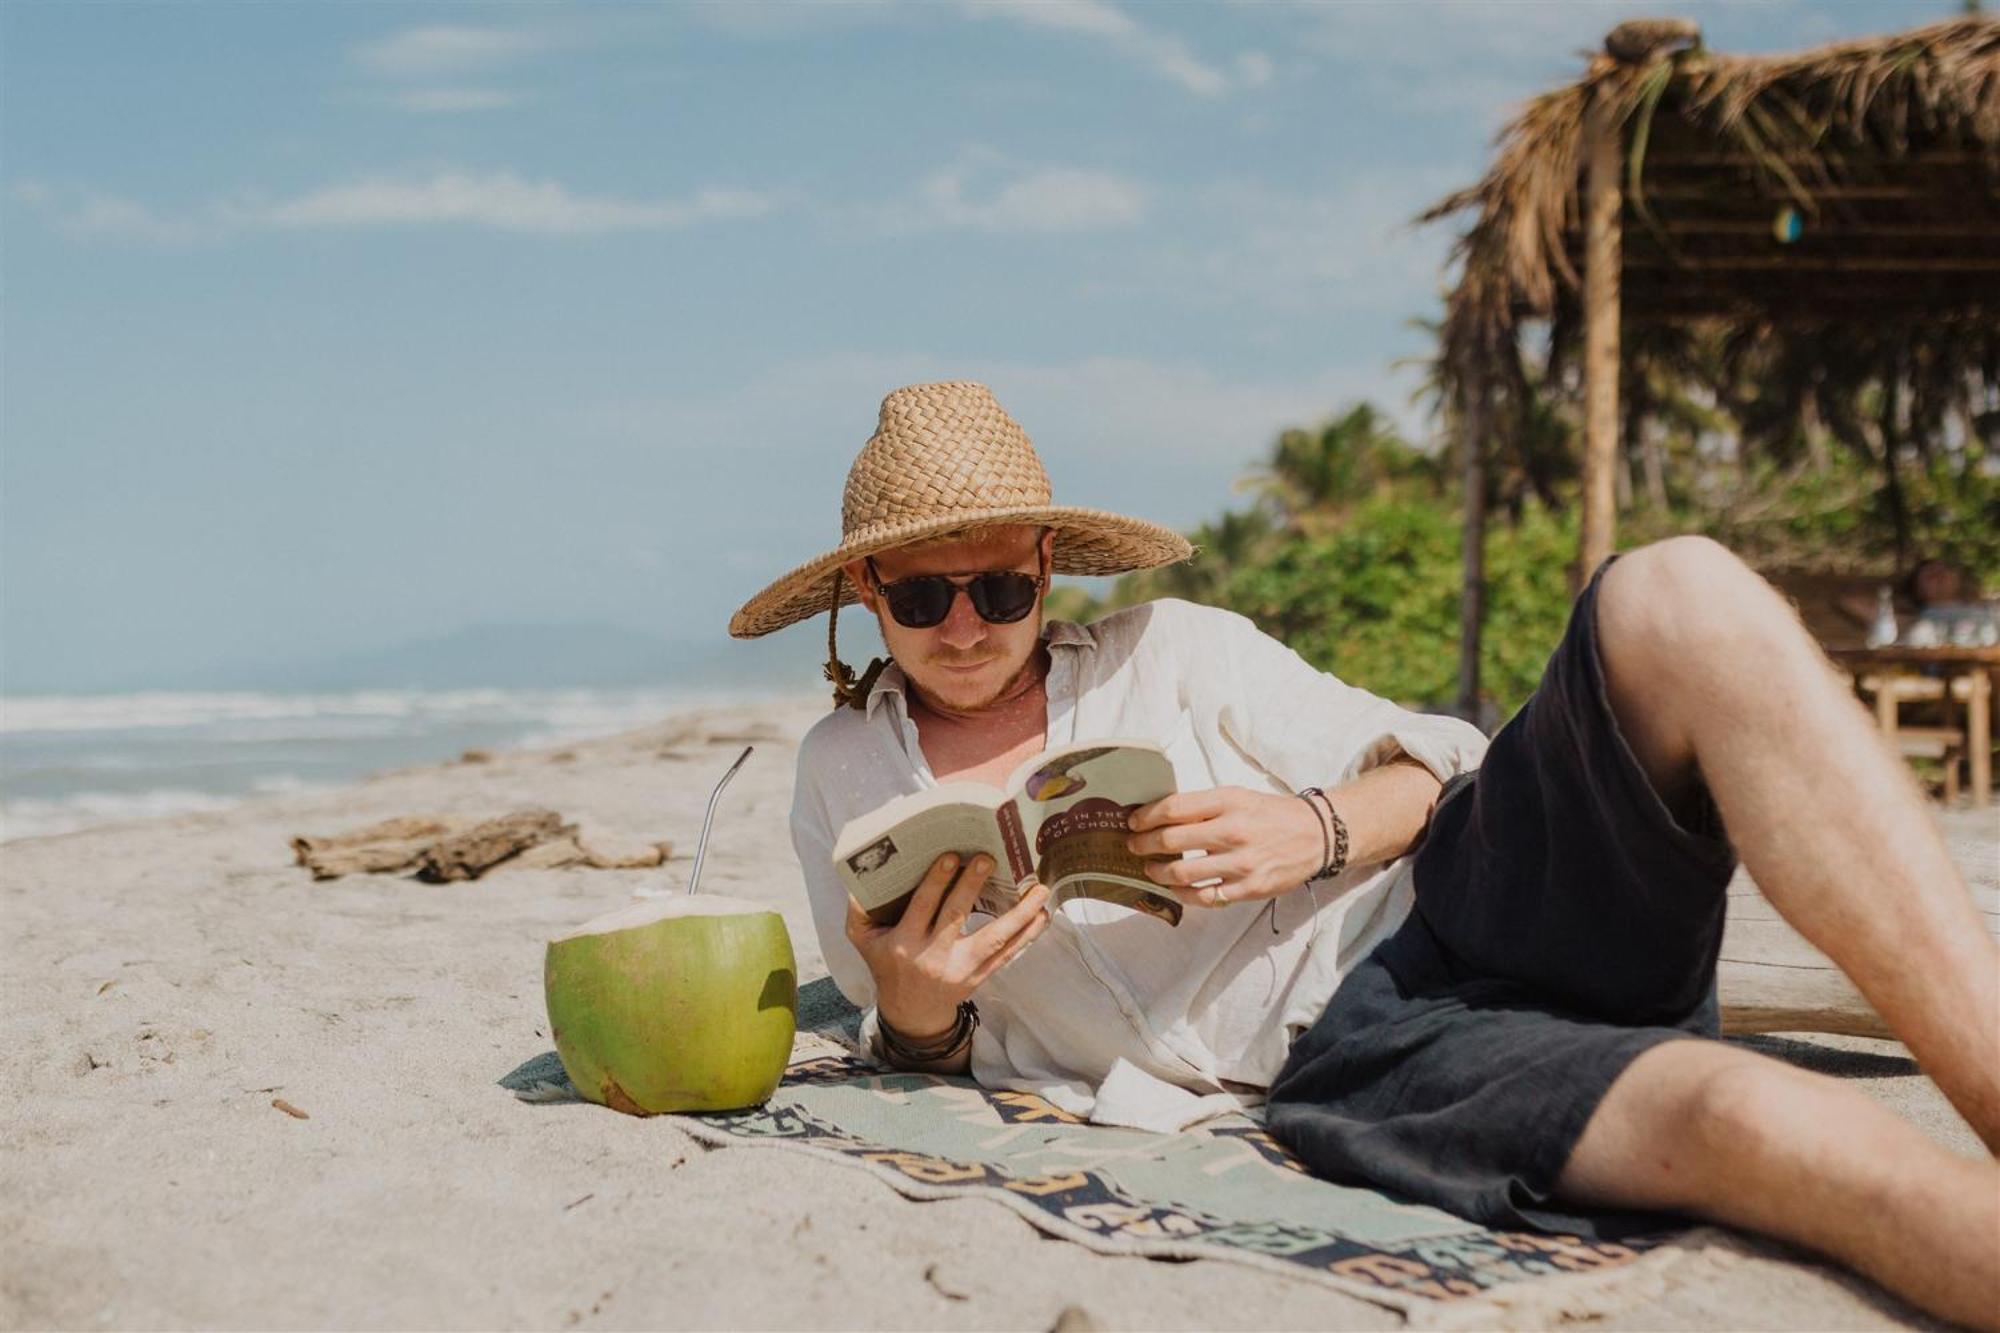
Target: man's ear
1049, 549
857, 574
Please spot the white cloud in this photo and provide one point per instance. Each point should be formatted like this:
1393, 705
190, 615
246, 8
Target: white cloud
1248, 244
1255, 69
985, 191
445, 51
498, 200
91, 213
1165, 54
452, 100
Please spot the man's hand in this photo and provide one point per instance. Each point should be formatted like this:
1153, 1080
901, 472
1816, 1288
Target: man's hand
926, 963
1258, 845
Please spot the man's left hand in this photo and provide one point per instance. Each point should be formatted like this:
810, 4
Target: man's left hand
1258, 845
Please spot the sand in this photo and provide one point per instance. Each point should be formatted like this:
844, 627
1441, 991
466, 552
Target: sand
165, 981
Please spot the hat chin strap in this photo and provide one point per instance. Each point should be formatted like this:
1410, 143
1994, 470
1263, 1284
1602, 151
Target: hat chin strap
846, 689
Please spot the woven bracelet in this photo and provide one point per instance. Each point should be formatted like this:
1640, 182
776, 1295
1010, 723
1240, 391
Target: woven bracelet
1333, 843
1325, 838
902, 1051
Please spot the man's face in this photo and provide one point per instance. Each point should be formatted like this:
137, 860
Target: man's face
962, 662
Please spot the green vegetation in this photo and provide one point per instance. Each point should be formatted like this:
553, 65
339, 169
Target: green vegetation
1349, 550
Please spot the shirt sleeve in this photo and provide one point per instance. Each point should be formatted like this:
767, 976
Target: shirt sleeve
1305, 726
812, 841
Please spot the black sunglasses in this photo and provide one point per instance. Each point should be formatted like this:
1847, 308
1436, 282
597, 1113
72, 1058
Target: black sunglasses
1001, 597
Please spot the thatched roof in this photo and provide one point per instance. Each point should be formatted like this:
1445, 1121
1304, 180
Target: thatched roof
1858, 180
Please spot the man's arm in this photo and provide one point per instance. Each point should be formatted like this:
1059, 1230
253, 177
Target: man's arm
1260, 845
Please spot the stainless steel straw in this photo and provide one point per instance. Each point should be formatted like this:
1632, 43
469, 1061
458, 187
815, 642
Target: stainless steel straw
701, 848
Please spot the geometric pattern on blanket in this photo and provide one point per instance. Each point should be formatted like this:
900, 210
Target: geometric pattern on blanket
1222, 1190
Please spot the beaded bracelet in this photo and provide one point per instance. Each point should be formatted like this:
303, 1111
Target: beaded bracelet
900, 1050
1332, 832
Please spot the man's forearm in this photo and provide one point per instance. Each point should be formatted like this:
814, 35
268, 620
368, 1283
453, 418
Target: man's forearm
1386, 810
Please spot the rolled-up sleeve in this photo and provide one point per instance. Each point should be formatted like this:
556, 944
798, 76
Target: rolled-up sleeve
1305, 726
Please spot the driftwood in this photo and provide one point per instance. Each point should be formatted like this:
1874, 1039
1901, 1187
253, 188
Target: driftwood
441, 849
470, 854
574, 851
369, 858
393, 844
1771, 980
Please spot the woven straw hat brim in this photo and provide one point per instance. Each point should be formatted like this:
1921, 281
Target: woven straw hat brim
1088, 541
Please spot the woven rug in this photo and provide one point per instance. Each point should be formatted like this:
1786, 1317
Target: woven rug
1223, 1190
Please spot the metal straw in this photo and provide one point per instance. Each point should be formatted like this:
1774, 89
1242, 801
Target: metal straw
701, 848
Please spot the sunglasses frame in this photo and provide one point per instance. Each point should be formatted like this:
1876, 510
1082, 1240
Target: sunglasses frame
961, 583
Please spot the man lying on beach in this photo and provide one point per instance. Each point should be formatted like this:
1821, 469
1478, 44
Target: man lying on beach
1479, 977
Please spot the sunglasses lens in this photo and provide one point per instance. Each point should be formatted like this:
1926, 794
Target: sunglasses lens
919, 603
924, 601
1003, 598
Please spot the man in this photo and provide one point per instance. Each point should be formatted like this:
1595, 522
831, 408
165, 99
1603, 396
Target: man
1482, 985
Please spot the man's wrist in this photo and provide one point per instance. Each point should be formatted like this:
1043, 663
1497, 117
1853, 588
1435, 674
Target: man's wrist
919, 1027
906, 1052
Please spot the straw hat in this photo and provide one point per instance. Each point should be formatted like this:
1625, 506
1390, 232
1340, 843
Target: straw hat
947, 457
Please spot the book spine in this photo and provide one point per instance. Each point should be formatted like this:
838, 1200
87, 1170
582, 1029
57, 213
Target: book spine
1015, 839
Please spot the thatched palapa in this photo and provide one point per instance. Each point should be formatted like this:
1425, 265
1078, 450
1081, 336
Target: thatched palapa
1854, 187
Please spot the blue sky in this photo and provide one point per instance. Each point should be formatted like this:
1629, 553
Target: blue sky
327, 325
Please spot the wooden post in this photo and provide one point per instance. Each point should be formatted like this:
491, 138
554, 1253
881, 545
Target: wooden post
1603, 199
1472, 548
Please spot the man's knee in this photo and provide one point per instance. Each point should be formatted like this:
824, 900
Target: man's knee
1687, 603
1742, 1103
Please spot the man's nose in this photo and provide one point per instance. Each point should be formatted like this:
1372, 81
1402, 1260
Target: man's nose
961, 627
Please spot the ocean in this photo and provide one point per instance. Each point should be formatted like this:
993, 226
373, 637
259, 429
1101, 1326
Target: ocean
71, 762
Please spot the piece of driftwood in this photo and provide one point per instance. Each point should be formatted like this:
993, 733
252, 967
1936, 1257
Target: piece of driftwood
401, 828
368, 858
470, 854
440, 848
383, 848
560, 853
1770, 979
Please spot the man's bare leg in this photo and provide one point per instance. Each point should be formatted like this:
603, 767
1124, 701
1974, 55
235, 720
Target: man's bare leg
1723, 1133
1710, 674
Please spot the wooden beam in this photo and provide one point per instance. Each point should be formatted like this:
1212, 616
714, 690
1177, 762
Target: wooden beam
1830, 228
1602, 204
1797, 263
1777, 193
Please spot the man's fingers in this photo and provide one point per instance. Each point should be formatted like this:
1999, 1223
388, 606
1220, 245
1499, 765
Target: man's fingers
1173, 839
994, 937
958, 903
1180, 808
1011, 950
1197, 869
922, 912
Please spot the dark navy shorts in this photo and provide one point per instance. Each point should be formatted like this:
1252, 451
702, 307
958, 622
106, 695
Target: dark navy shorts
1566, 920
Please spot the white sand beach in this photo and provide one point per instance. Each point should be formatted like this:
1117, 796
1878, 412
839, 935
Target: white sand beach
165, 981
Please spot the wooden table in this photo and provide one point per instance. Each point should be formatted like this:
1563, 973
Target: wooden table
1981, 665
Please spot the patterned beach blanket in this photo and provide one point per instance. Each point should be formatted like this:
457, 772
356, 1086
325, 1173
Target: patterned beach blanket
1224, 1190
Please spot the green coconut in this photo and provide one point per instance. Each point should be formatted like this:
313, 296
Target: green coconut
683, 1003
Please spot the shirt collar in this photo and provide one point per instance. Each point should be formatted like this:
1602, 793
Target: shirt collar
1055, 633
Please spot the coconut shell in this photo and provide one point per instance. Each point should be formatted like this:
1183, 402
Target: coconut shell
686, 1003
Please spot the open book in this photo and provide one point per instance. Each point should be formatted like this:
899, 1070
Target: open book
1061, 821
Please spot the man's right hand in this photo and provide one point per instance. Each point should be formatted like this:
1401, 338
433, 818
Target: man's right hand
926, 963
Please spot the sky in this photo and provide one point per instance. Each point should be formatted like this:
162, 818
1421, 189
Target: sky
325, 326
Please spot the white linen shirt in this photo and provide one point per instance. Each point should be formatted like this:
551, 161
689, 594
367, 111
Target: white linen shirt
1113, 1014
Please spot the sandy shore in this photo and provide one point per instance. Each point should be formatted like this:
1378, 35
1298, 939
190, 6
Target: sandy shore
165, 981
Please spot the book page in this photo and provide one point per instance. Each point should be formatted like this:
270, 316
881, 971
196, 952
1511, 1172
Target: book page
882, 856
1074, 804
